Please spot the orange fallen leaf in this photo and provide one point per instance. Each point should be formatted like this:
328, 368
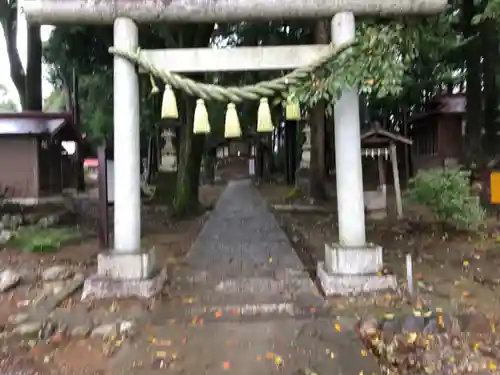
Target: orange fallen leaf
226, 365
465, 294
218, 314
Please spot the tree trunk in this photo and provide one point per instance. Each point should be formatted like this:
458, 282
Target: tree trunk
189, 154
33, 93
317, 170
8, 20
191, 147
490, 61
474, 119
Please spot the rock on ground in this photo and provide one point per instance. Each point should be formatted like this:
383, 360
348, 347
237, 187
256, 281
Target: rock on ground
9, 279
57, 272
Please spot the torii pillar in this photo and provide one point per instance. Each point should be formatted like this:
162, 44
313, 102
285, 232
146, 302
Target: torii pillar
127, 269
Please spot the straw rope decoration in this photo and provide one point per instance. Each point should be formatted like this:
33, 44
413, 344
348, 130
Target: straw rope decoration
231, 94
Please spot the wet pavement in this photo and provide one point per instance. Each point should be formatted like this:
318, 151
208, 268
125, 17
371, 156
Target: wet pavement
243, 303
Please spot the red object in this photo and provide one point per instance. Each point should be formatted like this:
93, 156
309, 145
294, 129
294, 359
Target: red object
91, 163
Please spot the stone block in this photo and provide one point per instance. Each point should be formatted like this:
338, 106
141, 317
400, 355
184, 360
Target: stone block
341, 260
100, 287
375, 200
348, 285
126, 266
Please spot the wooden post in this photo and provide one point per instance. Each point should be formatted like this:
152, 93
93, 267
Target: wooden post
80, 185
406, 146
397, 186
381, 176
290, 151
102, 178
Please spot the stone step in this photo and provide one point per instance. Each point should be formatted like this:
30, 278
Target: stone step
242, 307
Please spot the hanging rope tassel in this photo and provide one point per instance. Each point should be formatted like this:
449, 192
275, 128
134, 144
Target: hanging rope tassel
264, 120
169, 104
201, 125
292, 109
154, 89
232, 128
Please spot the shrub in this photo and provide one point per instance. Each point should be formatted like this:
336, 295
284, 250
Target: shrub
446, 192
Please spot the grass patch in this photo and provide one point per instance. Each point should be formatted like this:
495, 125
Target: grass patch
34, 239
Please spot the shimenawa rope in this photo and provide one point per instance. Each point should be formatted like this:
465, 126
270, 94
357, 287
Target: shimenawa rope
232, 94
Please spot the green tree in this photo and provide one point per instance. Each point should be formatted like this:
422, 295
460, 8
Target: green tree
28, 83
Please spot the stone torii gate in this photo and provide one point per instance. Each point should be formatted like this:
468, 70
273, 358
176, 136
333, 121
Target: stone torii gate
128, 270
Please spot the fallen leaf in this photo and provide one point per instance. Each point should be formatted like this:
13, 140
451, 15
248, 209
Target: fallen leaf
412, 337
278, 361
226, 365
218, 314
160, 354
337, 327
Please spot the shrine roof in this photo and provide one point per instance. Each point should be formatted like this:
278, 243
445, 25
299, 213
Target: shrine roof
381, 135
38, 123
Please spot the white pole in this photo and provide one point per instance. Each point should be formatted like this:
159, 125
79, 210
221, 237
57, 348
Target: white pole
350, 202
409, 274
127, 191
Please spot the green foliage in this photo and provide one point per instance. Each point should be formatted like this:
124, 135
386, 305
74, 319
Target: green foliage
380, 63
35, 239
446, 192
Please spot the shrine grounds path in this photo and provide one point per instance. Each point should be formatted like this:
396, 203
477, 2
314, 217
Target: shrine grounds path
243, 304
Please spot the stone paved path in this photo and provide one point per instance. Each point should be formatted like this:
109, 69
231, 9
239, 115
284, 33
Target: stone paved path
243, 304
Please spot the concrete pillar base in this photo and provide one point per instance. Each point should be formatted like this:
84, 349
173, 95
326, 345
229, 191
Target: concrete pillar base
349, 285
353, 270
122, 275
353, 260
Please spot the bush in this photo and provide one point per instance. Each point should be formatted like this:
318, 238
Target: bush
447, 193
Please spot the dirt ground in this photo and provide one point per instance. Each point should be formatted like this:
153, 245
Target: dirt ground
172, 239
453, 270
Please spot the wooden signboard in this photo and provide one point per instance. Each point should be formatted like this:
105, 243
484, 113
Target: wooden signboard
495, 187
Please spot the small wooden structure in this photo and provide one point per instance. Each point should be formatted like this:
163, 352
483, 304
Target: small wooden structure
438, 133
34, 165
380, 145
234, 158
